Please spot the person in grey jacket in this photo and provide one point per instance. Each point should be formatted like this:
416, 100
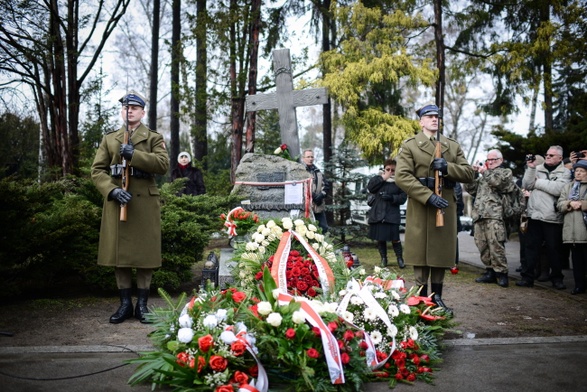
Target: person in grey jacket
572, 203
384, 215
545, 221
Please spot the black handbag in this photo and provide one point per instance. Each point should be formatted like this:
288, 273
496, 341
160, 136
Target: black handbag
370, 200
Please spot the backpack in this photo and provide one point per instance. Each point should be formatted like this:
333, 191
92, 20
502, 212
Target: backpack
513, 204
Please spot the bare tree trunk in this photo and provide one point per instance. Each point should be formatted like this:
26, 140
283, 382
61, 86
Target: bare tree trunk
253, 70
154, 69
547, 73
200, 131
175, 62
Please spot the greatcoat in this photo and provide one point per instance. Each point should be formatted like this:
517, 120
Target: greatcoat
426, 244
135, 243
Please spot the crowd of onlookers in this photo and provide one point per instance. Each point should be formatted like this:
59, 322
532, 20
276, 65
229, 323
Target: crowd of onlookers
553, 224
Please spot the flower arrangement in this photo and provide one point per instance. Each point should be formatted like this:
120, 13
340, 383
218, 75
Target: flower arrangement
283, 151
298, 316
239, 219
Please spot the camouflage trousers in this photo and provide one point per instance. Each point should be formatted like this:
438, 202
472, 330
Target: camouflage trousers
490, 237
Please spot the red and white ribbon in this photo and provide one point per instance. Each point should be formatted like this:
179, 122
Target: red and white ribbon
261, 384
229, 223
329, 343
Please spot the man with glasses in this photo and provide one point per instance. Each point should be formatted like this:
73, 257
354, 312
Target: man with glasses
320, 188
490, 228
545, 223
430, 249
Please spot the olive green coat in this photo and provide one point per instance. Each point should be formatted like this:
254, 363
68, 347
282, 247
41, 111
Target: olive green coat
426, 244
135, 243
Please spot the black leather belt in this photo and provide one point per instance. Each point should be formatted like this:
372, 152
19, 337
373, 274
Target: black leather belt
116, 172
428, 182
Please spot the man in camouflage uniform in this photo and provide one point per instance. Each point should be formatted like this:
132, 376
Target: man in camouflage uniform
490, 229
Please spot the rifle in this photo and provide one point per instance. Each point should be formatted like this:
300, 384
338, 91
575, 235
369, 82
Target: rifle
437, 177
125, 171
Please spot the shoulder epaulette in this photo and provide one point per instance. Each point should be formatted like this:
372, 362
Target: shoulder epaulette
111, 131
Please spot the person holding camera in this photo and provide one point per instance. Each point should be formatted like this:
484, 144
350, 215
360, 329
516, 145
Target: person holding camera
490, 228
320, 188
545, 221
431, 249
572, 203
384, 215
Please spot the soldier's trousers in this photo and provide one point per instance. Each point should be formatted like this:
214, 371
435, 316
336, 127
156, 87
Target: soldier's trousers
490, 237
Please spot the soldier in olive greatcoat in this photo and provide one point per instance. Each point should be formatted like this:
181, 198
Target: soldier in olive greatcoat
136, 242
430, 249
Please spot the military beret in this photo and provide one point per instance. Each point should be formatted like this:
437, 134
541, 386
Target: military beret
580, 163
132, 99
428, 110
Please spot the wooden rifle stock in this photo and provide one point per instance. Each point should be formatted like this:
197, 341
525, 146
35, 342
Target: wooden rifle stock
125, 173
438, 183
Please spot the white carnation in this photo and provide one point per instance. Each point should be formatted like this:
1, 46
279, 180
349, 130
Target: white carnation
185, 321
210, 321
221, 315
185, 335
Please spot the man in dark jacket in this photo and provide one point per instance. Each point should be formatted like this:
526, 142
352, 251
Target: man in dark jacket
384, 215
320, 188
136, 242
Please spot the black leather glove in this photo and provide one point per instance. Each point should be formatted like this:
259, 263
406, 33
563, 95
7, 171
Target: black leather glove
441, 165
437, 201
127, 151
386, 196
120, 195
318, 198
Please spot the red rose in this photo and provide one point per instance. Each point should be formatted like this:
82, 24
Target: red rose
294, 252
239, 297
345, 358
411, 377
254, 310
332, 326
218, 363
224, 388
425, 358
311, 292
239, 377
316, 331
201, 363
259, 275
302, 286
348, 335
398, 376
205, 343
283, 146
254, 371
238, 348
313, 353
363, 345
290, 333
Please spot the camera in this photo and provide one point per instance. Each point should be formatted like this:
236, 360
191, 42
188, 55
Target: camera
579, 154
530, 158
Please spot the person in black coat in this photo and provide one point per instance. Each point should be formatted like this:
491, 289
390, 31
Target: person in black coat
384, 216
195, 183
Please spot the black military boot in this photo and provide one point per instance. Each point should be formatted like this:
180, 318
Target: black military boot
437, 297
125, 309
502, 279
397, 248
487, 277
141, 309
384, 261
424, 291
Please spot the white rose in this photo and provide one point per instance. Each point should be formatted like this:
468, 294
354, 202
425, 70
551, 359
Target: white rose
298, 317
275, 293
264, 307
310, 234
185, 335
274, 319
277, 151
261, 250
331, 307
377, 269
287, 223
252, 246
316, 246
266, 231
312, 228
271, 224
298, 222
261, 228
186, 321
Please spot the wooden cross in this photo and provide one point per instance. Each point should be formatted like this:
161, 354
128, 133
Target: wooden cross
286, 100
